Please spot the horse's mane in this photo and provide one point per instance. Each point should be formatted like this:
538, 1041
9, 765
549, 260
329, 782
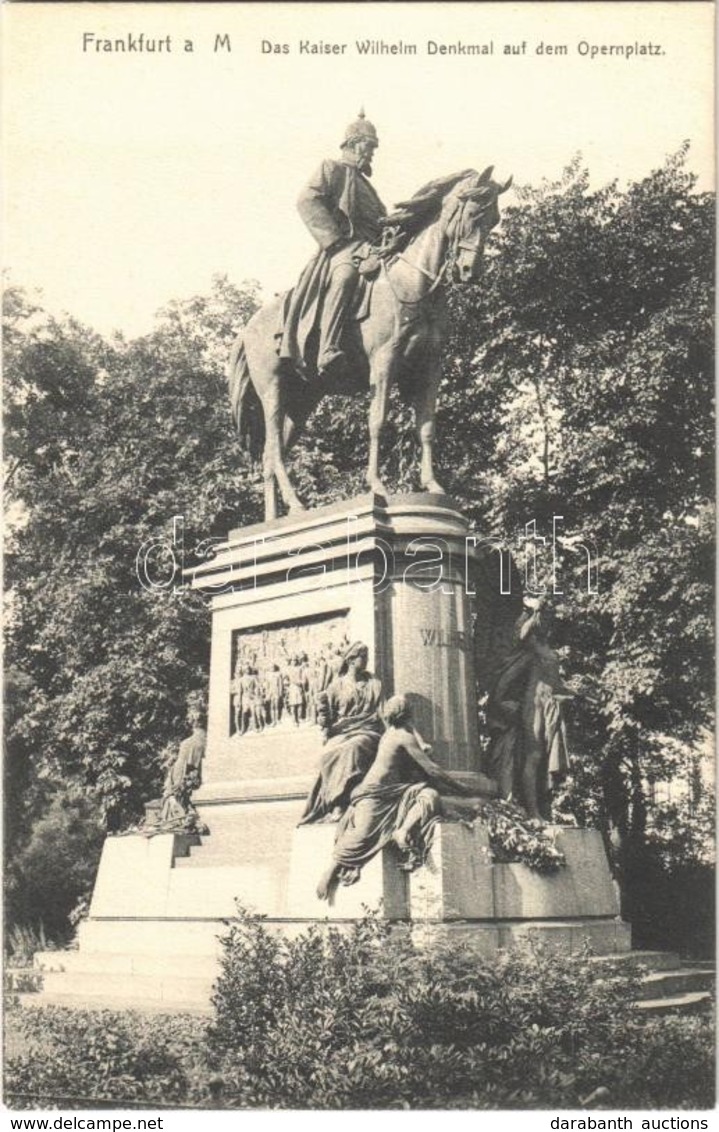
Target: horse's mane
410, 216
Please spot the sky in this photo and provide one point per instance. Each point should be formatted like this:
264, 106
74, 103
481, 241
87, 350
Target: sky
131, 178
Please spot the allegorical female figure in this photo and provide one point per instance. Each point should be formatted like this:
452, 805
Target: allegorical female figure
348, 715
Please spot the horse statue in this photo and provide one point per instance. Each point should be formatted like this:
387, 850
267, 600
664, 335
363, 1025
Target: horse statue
438, 233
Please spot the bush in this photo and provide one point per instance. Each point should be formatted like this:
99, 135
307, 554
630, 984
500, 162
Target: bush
56, 867
670, 1066
74, 1058
357, 1018
24, 981
22, 941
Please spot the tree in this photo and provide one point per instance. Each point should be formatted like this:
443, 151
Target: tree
145, 436
600, 319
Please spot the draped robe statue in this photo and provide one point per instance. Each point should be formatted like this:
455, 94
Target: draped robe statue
348, 714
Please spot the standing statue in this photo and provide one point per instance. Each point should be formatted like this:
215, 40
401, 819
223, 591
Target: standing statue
397, 800
303, 346
528, 753
348, 715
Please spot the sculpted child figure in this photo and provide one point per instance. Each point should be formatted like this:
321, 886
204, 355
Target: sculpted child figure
396, 800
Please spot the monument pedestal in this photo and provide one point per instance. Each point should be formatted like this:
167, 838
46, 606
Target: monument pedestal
287, 597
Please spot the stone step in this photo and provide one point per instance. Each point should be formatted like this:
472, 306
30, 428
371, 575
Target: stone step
690, 1003
186, 937
180, 990
170, 980
209, 856
652, 960
176, 990
127, 964
667, 984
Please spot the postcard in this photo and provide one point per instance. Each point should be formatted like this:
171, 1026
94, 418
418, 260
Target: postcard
359, 559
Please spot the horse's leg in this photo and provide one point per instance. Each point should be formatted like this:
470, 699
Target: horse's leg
270, 484
291, 429
303, 403
380, 380
274, 468
425, 406
290, 496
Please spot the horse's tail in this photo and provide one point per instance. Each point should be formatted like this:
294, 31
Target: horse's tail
246, 405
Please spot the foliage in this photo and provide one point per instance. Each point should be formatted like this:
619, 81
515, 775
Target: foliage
75, 1058
516, 838
54, 868
357, 1017
607, 341
22, 941
24, 981
672, 1066
141, 434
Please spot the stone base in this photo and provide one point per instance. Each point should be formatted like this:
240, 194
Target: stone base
605, 937
396, 574
382, 886
161, 904
584, 888
456, 881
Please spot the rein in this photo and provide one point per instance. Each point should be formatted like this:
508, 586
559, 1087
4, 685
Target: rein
437, 278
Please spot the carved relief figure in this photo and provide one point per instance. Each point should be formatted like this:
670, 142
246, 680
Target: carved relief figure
249, 698
279, 672
275, 690
295, 690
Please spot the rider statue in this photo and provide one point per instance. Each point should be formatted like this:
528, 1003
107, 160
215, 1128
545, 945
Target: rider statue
344, 214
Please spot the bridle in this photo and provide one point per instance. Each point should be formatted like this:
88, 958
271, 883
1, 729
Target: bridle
458, 243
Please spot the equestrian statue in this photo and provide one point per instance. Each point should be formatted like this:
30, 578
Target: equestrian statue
368, 310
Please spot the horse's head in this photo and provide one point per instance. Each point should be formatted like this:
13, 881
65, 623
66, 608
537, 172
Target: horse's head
472, 210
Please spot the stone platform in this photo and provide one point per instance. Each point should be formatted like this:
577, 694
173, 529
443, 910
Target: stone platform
160, 906
398, 575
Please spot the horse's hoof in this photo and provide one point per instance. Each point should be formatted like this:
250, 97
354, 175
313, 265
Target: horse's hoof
434, 488
296, 507
378, 488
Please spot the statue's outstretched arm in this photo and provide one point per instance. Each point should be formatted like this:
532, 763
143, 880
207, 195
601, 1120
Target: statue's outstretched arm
437, 776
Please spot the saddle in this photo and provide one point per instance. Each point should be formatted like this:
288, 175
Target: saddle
304, 348
392, 240
300, 308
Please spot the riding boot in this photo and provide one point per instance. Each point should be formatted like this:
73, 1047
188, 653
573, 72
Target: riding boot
337, 301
